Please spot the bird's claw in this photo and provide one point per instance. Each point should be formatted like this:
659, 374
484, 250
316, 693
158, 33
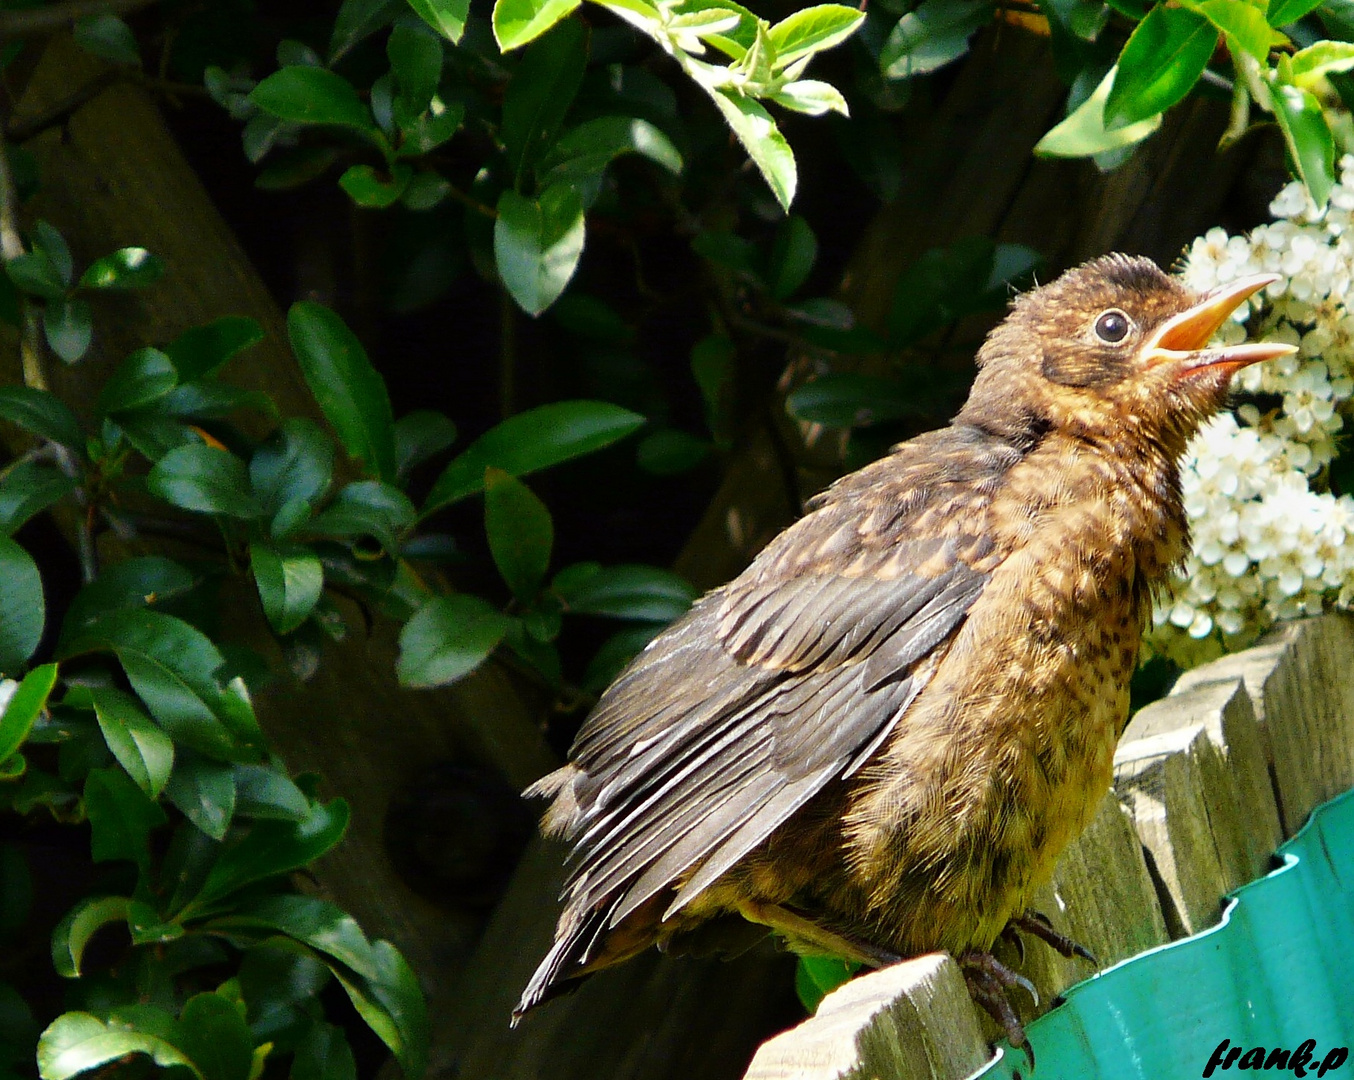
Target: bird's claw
1038, 924
988, 979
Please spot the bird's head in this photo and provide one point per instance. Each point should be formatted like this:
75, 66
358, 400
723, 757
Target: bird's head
1113, 350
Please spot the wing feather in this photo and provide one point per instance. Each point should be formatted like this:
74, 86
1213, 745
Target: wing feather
790, 676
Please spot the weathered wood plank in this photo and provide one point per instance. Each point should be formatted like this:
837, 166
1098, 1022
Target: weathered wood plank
1299, 682
1102, 896
1169, 782
1225, 710
914, 1019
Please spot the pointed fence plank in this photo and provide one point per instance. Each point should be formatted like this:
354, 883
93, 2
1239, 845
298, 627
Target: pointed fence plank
912, 1019
1299, 680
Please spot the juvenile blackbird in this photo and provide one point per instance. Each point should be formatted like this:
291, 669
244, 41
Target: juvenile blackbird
877, 739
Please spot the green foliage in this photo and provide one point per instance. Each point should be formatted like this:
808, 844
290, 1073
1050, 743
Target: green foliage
516, 142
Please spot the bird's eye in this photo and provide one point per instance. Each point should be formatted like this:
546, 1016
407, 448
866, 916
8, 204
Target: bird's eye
1112, 326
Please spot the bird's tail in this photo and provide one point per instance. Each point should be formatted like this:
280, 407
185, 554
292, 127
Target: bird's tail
559, 970
586, 942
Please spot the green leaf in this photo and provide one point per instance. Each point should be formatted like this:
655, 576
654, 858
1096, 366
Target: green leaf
367, 508
392, 1004
271, 848
206, 480
1084, 133
217, 1038
43, 414
415, 56
1243, 23
323, 1053
849, 400
137, 742
533, 440
1323, 58
447, 17
422, 434
131, 584
27, 700
646, 593
792, 257
108, 37
537, 244
290, 580
818, 976
1286, 12
812, 30
763, 142
933, 35
616, 652
23, 609
348, 389
593, 318
542, 89
422, 134
29, 489
310, 95
945, 284
811, 97
205, 793
520, 531
517, 22
670, 452
121, 817
448, 637
79, 925
76, 1042
1310, 143
126, 268
140, 380
296, 462
174, 669
200, 351
378, 981
376, 190
1162, 61
68, 326
357, 20
33, 273
266, 791
584, 151
211, 400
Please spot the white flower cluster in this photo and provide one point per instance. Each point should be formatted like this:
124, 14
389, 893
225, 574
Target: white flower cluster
1269, 543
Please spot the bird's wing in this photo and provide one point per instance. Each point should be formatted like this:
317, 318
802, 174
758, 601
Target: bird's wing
769, 688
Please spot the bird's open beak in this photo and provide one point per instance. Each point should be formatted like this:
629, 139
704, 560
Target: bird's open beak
1181, 340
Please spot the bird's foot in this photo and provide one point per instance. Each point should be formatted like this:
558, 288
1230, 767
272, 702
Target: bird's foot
1038, 924
988, 979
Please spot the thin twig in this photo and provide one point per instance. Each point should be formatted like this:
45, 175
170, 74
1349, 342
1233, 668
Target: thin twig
11, 247
47, 20
473, 203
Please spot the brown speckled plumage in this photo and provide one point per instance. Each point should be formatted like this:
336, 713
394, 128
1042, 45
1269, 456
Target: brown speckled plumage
878, 738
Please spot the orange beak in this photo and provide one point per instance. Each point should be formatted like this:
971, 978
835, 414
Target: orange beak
1181, 340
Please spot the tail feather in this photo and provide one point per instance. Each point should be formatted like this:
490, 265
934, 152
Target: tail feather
553, 976
585, 942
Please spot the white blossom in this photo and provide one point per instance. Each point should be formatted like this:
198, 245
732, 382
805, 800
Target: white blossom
1269, 540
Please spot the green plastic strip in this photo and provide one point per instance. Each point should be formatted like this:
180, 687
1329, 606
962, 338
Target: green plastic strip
1276, 971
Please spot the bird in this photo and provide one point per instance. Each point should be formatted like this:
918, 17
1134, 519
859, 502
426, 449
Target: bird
876, 740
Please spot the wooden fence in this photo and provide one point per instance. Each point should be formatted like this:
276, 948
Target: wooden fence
1208, 782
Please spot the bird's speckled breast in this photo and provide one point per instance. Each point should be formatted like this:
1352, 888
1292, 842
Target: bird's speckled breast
1006, 755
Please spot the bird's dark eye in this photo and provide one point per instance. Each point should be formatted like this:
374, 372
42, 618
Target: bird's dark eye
1112, 326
